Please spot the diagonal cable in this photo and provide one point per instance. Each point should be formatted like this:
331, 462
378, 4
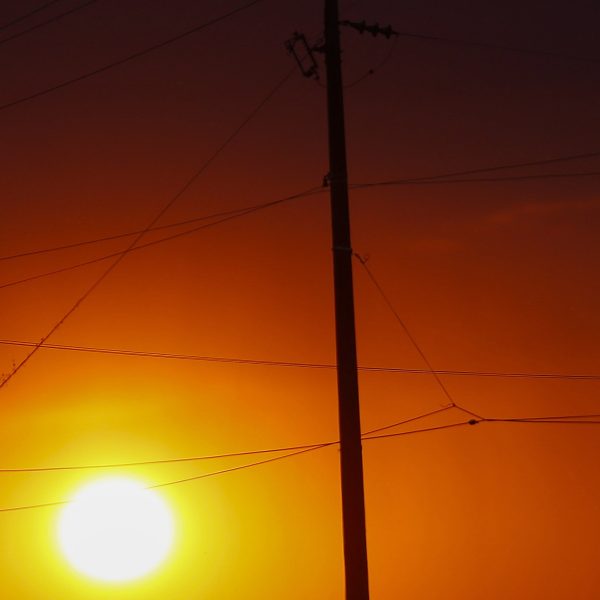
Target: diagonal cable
25, 16
412, 339
130, 57
224, 217
53, 19
151, 224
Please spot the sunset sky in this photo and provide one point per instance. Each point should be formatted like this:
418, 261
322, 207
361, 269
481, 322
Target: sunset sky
492, 276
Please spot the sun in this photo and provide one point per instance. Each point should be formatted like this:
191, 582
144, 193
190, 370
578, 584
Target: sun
115, 530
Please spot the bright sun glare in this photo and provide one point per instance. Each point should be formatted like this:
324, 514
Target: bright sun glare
115, 530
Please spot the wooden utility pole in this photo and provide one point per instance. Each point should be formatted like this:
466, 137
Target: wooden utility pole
353, 500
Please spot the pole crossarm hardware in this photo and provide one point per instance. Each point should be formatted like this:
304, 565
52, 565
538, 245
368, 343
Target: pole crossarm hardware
374, 30
305, 59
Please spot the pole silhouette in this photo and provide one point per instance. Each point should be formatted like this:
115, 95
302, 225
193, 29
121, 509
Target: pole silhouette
353, 503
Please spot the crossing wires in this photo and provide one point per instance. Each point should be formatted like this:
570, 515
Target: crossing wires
120, 256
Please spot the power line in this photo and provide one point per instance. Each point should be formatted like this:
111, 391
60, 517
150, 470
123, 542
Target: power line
47, 22
402, 181
383, 436
410, 336
374, 69
398, 423
309, 449
299, 449
242, 467
540, 421
119, 236
211, 456
312, 448
27, 15
130, 57
241, 212
303, 365
152, 223
388, 32
230, 215
165, 461
477, 179
490, 169
32, 506
492, 46
559, 417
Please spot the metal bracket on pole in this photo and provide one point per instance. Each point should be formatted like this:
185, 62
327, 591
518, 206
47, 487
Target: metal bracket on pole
374, 30
306, 60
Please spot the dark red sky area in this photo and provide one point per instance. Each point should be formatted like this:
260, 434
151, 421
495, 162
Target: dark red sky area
493, 276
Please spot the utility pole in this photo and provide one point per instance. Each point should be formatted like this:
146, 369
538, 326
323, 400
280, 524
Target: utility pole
353, 492
353, 497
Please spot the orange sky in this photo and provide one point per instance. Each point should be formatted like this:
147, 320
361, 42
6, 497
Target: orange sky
489, 276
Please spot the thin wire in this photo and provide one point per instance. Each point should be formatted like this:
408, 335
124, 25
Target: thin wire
130, 57
559, 417
241, 467
118, 235
477, 179
551, 421
375, 69
230, 216
412, 339
27, 15
241, 212
302, 365
208, 456
357, 186
164, 461
31, 506
392, 425
153, 222
310, 449
503, 167
471, 422
47, 22
425, 430
491, 46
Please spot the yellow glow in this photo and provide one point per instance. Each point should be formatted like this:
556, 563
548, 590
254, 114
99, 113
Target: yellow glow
116, 530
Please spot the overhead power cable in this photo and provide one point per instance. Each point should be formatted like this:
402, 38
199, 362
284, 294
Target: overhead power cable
501, 47
242, 212
390, 32
130, 57
402, 181
47, 22
367, 435
151, 224
231, 215
246, 466
212, 456
166, 461
551, 421
489, 169
302, 365
477, 179
118, 236
410, 336
555, 417
304, 451
470, 422
25, 16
